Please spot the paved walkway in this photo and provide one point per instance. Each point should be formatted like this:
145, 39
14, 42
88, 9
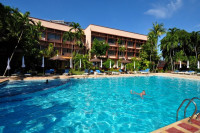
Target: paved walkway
182, 126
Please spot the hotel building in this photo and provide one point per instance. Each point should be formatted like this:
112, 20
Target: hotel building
54, 30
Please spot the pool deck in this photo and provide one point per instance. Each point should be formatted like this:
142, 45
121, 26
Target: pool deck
193, 77
181, 126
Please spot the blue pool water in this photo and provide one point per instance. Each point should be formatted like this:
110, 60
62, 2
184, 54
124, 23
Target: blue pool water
93, 105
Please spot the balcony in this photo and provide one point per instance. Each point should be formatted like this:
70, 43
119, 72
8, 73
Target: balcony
54, 40
138, 47
112, 56
67, 54
130, 46
112, 44
42, 38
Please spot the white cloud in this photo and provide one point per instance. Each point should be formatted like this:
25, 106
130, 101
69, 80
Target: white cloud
166, 11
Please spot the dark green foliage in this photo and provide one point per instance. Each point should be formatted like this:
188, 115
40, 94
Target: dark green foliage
179, 45
20, 35
106, 64
85, 64
99, 48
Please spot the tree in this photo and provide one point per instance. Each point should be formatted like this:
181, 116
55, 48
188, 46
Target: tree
78, 34
195, 43
122, 49
75, 35
84, 61
106, 64
99, 48
18, 31
168, 45
49, 52
156, 32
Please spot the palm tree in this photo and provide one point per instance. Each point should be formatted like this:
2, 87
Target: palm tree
151, 41
157, 31
122, 49
195, 43
169, 43
19, 28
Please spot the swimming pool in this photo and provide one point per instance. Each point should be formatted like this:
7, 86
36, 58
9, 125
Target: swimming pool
94, 105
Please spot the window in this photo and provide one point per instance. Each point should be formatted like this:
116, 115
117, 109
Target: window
43, 35
120, 53
130, 53
122, 43
111, 41
66, 50
137, 45
111, 52
52, 36
130, 44
57, 37
98, 38
137, 54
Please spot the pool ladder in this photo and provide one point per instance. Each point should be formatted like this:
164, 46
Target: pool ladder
190, 101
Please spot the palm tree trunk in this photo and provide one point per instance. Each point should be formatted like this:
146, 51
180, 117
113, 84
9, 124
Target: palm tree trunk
196, 53
14, 50
171, 60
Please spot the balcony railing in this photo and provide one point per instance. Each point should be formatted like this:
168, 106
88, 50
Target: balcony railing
67, 54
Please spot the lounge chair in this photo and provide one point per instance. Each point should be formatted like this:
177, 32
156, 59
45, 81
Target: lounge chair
198, 74
86, 72
16, 74
66, 72
99, 72
181, 72
190, 72
27, 74
121, 71
176, 71
145, 71
47, 72
52, 71
91, 72
115, 73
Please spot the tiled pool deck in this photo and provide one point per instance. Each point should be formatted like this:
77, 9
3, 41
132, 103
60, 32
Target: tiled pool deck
181, 126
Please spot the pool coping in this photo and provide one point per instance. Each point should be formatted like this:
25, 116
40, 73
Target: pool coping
192, 77
182, 126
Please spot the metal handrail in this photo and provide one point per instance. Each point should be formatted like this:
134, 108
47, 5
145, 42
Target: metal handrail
189, 104
182, 105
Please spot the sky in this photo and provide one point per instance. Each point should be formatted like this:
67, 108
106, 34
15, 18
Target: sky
135, 16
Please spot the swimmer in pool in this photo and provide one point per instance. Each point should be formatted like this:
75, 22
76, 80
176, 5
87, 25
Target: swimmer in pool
140, 94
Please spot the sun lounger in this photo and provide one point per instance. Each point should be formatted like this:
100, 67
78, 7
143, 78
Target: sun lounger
86, 72
115, 73
47, 72
190, 72
27, 74
16, 74
52, 71
198, 74
146, 71
91, 72
99, 72
181, 72
175, 72
121, 71
66, 72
